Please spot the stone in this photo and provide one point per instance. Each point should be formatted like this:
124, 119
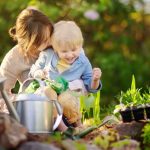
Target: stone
132, 129
126, 144
79, 144
41, 137
12, 133
37, 146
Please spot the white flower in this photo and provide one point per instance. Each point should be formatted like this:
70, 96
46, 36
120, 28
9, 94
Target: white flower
91, 14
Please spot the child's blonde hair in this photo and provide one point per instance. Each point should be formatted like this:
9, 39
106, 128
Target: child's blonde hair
67, 35
29, 31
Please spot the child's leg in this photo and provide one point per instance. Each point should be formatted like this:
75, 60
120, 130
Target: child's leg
50, 93
71, 106
62, 126
77, 123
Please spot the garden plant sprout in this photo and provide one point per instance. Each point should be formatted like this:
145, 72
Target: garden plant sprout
132, 97
90, 107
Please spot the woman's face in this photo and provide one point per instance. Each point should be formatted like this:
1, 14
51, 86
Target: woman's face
44, 45
46, 40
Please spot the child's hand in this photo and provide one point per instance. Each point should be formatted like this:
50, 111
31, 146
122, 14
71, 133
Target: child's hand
96, 74
46, 72
39, 74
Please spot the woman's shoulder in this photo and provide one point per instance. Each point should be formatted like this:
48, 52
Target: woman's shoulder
13, 58
12, 53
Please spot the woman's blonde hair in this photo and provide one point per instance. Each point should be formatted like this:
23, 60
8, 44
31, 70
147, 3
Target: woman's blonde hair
67, 35
29, 32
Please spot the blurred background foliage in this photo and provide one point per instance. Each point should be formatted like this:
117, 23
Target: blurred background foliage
116, 34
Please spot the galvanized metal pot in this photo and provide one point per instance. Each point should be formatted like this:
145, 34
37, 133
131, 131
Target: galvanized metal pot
33, 111
36, 113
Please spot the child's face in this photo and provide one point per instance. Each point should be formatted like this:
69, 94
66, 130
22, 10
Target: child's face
69, 55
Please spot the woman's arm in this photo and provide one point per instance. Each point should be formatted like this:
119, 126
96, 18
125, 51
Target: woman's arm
8, 69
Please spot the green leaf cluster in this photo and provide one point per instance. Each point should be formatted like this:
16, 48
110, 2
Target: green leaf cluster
132, 97
32, 87
59, 84
104, 140
145, 134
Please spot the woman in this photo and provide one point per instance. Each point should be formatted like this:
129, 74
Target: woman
32, 32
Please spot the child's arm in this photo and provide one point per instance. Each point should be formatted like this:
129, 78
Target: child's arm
91, 78
96, 78
37, 69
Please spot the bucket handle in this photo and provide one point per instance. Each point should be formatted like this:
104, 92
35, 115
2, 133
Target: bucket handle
59, 115
26, 83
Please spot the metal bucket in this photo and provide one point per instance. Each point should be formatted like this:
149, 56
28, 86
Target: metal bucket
33, 111
36, 113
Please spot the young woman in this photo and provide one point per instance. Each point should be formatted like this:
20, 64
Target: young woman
32, 32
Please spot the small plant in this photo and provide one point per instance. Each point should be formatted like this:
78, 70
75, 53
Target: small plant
125, 144
146, 134
130, 98
90, 107
146, 96
79, 146
132, 103
104, 140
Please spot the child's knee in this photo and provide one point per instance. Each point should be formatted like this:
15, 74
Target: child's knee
71, 106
